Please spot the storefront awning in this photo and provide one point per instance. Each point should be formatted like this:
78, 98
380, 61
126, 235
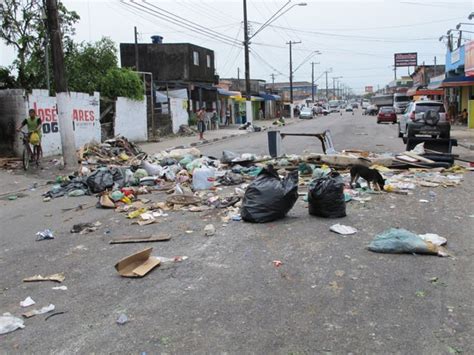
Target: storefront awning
269, 97
435, 85
252, 98
458, 81
224, 92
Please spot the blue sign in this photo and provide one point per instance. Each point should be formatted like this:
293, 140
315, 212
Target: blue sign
455, 59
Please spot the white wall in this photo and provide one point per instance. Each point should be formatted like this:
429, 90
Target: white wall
83, 110
131, 119
179, 113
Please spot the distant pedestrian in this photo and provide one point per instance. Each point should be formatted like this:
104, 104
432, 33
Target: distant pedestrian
260, 114
201, 124
227, 116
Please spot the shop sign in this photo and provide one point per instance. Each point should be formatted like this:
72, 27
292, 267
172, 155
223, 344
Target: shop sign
406, 59
469, 59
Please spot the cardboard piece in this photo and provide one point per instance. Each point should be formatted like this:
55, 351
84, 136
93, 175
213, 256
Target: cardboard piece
146, 239
55, 277
138, 264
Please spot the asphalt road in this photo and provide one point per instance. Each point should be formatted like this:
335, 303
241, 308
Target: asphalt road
330, 294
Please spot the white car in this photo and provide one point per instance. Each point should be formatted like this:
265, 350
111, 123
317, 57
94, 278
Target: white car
424, 117
306, 112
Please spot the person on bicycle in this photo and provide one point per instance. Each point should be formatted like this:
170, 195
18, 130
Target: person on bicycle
34, 125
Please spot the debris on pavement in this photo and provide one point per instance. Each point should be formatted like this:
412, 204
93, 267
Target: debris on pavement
137, 264
145, 239
27, 302
59, 277
54, 314
209, 230
326, 196
35, 312
433, 238
84, 228
342, 229
62, 288
269, 198
9, 323
122, 319
44, 235
277, 263
398, 241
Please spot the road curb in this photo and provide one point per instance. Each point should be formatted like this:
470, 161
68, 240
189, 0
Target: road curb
469, 146
214, 140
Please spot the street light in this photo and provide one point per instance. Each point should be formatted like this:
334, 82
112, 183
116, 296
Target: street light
453, 30
458, 26
471, 16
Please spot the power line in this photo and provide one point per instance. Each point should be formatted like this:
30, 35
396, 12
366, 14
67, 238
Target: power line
196, 30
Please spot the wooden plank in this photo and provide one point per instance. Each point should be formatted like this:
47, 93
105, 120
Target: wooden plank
419, 157
146, 239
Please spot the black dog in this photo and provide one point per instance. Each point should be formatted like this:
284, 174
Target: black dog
369, 175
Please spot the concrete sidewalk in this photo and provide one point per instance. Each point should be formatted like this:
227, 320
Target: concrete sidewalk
175, 142
464, 135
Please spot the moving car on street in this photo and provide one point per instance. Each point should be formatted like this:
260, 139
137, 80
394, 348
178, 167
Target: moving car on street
306, 112
424, 117
387, 114
349, 108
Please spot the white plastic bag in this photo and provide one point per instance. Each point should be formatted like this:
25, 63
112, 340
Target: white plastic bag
9, 323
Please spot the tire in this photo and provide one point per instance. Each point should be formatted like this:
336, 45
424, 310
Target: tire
378, 122
446, 135
26, 159
410, 132
400, 134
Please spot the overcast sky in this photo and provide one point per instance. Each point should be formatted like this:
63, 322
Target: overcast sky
357, 39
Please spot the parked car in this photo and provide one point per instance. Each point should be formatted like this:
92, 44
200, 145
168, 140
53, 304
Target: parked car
355, 105
424, 117
306, 112
349, 108
371, 110
387, 114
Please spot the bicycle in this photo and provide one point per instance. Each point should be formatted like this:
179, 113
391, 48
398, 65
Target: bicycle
28, 154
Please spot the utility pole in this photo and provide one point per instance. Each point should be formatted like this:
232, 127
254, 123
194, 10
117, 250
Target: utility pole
334, 87
46, 48
435, 68
312, 81
136, 48
327, 88
291, 68
273, 81
66, 131
248, 103
238, 78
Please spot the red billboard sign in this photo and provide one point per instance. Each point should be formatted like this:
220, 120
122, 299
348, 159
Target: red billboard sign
369, 89
406, 59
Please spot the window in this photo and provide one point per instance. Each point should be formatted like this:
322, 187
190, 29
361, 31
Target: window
195, 58
208, 58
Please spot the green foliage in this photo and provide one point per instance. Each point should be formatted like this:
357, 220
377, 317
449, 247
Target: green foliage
122, 82
7, 81
23, 27
192, 120
88, 63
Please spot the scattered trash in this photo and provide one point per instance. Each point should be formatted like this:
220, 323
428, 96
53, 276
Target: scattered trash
424, 201
12, 197
268, 198
44, 235
434, 280
54, 314
27, 302
341, 229
9, 323
54, 277
433, 238
137, 264
147, 239
62, 288
122, 319
84, 228
402, 241
277, 263
35, 312
236, 217
326, 196
420, 294
209, 230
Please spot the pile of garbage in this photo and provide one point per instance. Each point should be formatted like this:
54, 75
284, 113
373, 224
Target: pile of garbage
266, 188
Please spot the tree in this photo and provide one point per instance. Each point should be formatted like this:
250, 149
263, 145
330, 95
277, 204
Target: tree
23, 27
88, 63
122, 82
7, 81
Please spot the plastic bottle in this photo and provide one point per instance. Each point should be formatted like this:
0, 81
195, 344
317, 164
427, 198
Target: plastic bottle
203, 178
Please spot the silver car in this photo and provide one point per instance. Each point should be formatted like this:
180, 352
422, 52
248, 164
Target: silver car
424, 117
306, 112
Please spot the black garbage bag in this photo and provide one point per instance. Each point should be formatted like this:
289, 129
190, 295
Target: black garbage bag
103, 179
268, 198
326, 196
